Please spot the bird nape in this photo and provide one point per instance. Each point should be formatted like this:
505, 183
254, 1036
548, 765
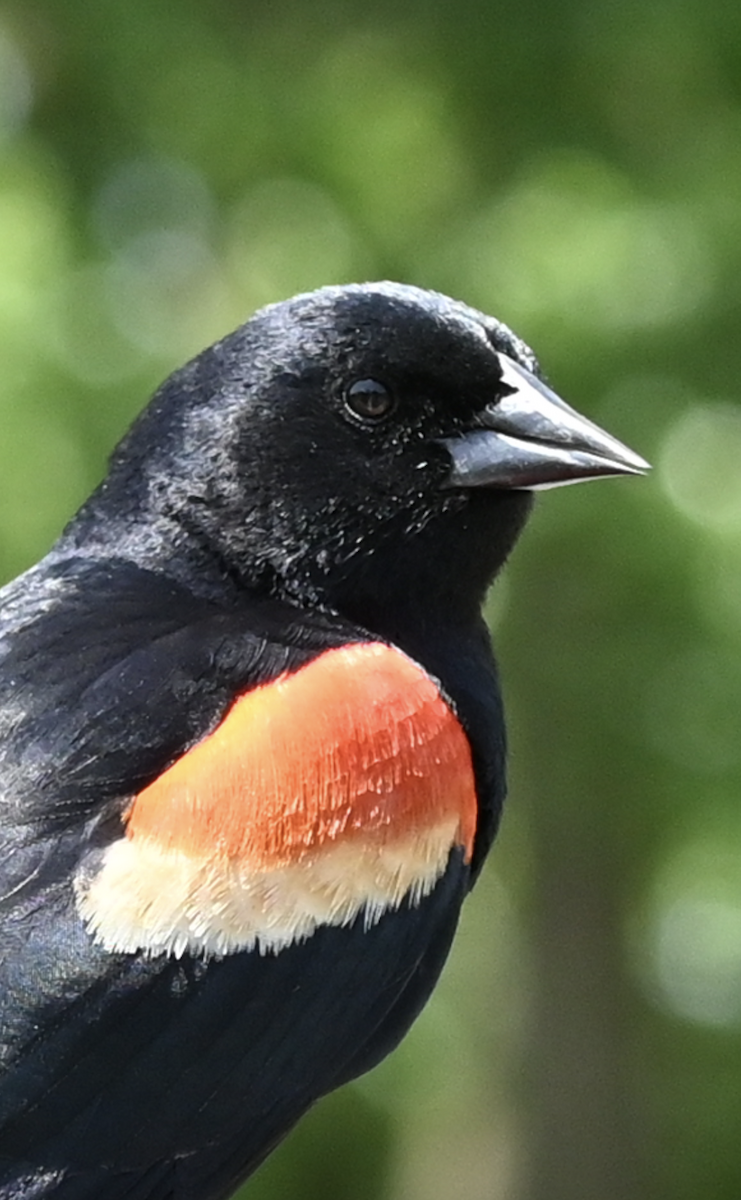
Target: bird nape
251, 735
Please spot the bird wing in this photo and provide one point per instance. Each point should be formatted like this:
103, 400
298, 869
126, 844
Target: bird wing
234, 846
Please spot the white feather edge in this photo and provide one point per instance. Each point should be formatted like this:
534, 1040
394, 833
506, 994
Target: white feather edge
161, 901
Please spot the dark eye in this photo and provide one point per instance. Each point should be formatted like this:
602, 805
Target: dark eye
369, 400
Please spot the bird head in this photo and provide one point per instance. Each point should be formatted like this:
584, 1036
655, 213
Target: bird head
355, 447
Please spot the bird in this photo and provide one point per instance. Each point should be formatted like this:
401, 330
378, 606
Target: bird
252, 743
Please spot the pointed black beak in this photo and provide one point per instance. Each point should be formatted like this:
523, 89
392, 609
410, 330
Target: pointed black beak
529, 438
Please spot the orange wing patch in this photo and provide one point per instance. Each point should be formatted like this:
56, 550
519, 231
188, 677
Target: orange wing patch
359, 742
339, 788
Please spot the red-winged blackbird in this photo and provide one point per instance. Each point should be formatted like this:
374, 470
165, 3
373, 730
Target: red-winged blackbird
251, 735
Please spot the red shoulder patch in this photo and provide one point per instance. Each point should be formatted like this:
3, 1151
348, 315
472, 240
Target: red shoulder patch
358, 744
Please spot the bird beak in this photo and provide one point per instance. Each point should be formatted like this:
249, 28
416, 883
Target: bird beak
531, 439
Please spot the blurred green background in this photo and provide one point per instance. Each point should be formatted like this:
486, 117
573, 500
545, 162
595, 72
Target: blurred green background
574, 167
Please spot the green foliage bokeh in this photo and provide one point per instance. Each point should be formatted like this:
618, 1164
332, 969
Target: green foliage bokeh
575, 168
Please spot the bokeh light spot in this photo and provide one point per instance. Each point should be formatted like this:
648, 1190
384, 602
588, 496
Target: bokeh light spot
569, 239
699, 466
691, 949
152, 195
168, 294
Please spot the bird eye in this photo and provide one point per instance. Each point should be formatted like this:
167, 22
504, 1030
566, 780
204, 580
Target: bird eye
369, 400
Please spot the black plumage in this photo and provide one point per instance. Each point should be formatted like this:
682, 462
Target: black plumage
255, 517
